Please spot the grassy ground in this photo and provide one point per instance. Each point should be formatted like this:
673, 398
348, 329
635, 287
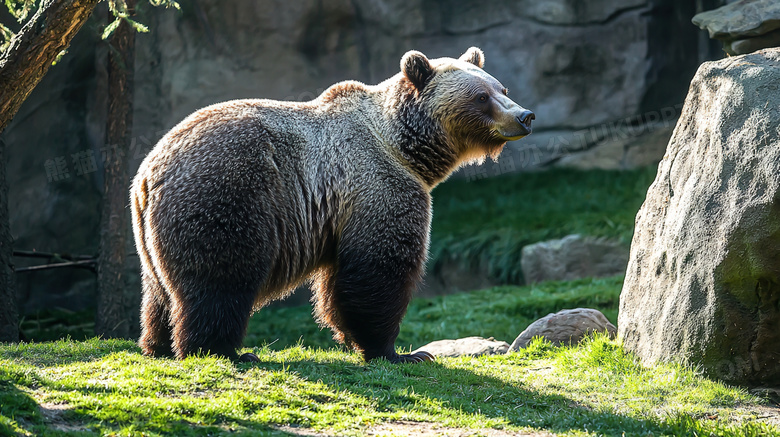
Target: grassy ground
500, 312
107, 387
490, 220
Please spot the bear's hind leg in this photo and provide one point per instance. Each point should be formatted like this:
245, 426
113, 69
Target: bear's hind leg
155, 318
210, 318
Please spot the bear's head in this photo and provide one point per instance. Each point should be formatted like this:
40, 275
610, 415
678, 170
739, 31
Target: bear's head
471, 106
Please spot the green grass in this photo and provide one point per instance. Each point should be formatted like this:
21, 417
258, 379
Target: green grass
500, 312
489, 221
305, 382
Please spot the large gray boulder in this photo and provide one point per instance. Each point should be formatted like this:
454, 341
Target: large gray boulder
703, 280
573, 257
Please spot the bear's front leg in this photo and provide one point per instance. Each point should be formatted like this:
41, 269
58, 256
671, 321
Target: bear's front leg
380, 258
365, 304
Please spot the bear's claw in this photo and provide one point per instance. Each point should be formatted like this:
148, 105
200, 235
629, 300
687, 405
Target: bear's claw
417, 357
248, 357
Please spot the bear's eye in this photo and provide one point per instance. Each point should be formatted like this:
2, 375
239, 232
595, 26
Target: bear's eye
482, 98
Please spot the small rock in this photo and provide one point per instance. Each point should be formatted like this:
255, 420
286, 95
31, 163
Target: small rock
767, 393
573, 257
469, 346
749, 45
566, 327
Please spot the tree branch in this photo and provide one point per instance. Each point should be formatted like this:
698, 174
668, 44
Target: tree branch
48, 255
87, 264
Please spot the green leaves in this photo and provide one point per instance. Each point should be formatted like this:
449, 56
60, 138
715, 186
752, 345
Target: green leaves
114, 24
6, 34
121, 13
111, 28
166, 3
20, 9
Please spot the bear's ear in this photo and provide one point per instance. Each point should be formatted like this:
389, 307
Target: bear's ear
417, 68
475, 56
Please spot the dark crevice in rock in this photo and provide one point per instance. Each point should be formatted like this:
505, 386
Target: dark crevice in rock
611, 18
513, 21
480, 30
767, 333
674, 51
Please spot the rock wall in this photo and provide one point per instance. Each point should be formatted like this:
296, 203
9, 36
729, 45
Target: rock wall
702, 284
594, 72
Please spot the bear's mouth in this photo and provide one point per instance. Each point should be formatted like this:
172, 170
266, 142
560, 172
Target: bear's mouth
513, 136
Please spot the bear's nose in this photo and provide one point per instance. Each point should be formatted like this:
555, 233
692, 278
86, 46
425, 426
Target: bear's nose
525, 118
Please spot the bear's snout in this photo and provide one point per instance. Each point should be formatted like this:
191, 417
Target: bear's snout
524, 118
516, 122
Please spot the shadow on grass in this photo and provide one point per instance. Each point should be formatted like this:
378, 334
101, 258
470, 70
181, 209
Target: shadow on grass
20, 415
18, 411
431, 389
64, 352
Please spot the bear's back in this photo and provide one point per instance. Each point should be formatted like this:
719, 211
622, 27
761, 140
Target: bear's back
258, 184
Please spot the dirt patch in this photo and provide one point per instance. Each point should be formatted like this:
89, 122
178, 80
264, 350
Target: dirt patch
52, 413
770, 413
426, 429
764, 413
419, 429
294, 430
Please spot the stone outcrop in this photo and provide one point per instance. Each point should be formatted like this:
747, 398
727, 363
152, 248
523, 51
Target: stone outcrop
744, 26
572, 257
703, 281
469, 346
566, 327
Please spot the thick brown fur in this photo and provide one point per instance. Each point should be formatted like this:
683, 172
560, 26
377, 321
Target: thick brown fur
245, 200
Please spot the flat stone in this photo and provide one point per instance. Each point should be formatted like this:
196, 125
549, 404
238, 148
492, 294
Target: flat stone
469, 346
644, 148
741, 19
575, 12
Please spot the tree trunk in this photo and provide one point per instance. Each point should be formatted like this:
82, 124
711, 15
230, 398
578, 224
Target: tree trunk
22, 65
9, 317
35, 47
113, 315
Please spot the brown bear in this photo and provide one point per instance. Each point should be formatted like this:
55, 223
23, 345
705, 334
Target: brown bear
244, 200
